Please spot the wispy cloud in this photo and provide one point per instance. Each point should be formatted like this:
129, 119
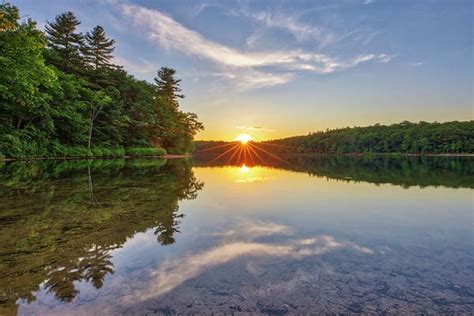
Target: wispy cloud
417, 64
245, 68
324, 35
255, 128
247, 77
291, 23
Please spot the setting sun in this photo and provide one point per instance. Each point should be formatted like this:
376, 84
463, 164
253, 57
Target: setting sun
243, 138
244, 169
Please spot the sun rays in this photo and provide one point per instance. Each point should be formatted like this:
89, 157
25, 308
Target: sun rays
243, 151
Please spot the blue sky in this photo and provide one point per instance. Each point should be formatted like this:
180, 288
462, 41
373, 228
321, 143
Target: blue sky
280, 68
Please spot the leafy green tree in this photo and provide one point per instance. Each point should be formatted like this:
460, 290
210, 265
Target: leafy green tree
138, 116
188, 126
8, 17
70, 103
25, 113
99, 101
63, 39
56, 101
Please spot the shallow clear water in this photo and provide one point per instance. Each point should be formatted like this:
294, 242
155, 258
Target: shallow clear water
300, 235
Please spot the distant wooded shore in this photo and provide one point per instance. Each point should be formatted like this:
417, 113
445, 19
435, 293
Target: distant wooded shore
450, 139
405, 138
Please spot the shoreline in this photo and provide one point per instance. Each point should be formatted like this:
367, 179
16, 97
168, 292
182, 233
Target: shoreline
190, 155
95, 158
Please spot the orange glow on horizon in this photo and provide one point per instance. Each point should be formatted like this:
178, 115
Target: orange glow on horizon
244, 169
244, 138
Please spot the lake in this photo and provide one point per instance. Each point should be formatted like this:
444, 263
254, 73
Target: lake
290, 235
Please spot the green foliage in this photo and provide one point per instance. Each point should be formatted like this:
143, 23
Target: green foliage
78, 152
145, 151
108, 152
406, 137
61, 94
25, 113
178, 128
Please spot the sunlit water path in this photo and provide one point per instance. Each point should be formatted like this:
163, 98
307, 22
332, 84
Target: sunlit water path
345, 235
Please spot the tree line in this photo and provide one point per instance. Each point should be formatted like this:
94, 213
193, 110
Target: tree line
405, 138
61, 95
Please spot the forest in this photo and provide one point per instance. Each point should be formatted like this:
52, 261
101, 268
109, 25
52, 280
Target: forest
420, 138
405, 138
62, 96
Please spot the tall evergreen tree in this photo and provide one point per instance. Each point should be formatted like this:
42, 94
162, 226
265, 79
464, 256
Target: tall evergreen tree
64, 39
176, 128
167, 86
98, 49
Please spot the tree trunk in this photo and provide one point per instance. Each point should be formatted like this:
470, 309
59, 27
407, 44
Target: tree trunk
91, 124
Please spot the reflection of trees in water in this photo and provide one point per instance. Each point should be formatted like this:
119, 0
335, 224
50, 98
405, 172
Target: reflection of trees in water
92, 197
92, 268
55, 231
166, 230
405, 171
96, 265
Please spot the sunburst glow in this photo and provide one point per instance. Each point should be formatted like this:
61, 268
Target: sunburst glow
244, 169
244, 138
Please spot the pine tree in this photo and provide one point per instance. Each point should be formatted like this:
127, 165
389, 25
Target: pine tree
176, 128
62, 37
98, 50
167, 86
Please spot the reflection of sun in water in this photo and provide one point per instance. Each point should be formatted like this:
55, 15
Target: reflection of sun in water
243, 138
245, 174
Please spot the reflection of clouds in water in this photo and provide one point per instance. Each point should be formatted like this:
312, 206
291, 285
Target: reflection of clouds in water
253, 229
174, 272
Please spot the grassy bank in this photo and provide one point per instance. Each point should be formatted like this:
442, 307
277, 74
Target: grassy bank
70, 153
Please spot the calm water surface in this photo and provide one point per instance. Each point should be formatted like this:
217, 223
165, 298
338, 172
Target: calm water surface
322, 235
